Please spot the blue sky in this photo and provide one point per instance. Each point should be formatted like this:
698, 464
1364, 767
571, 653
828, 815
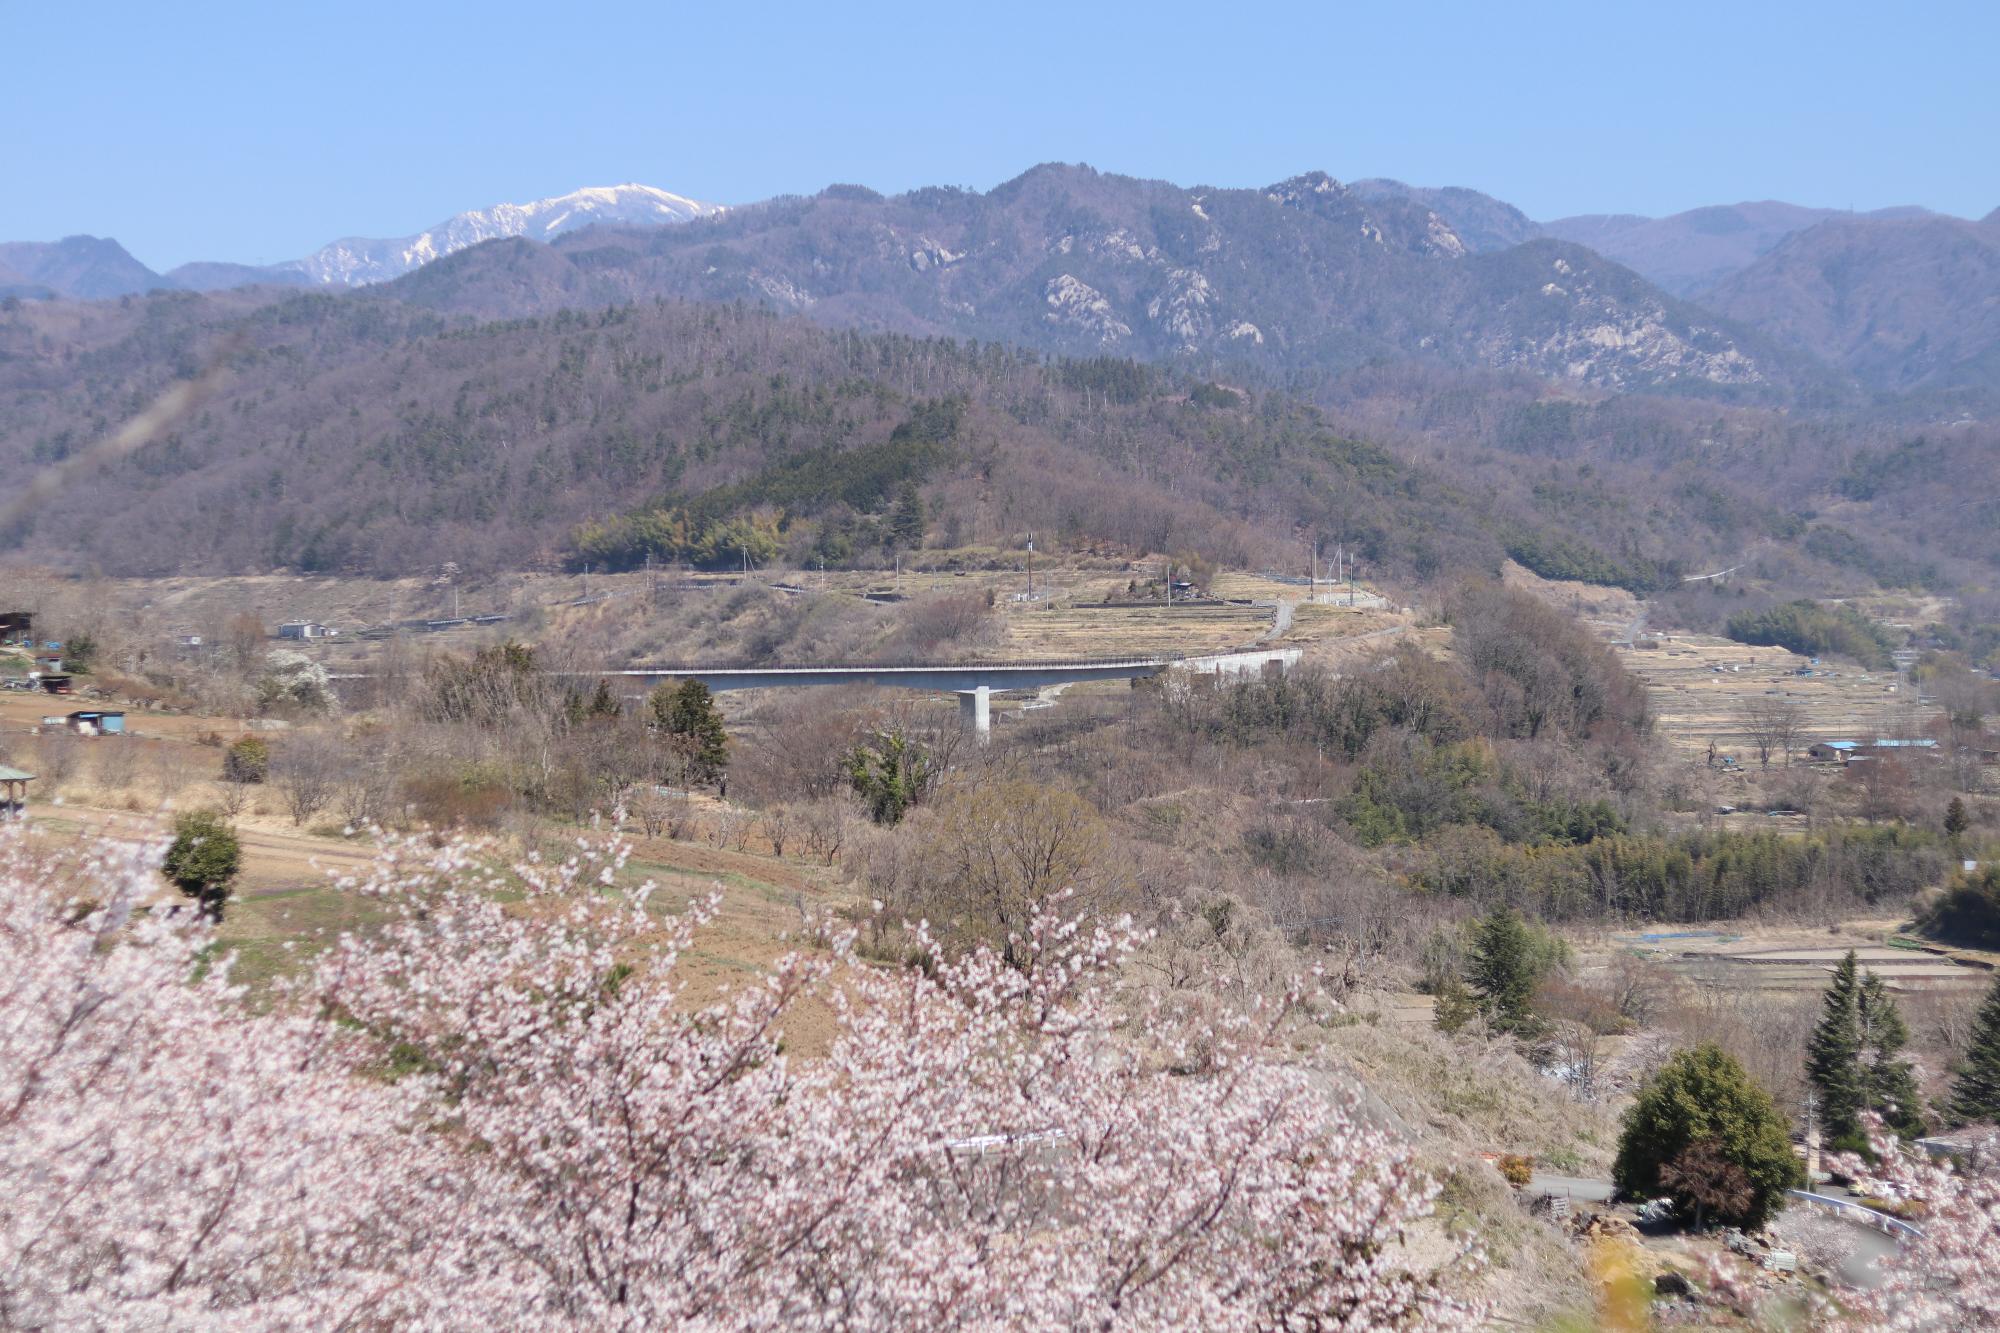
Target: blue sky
259, 132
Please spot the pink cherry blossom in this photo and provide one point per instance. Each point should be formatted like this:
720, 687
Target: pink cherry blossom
496, 1109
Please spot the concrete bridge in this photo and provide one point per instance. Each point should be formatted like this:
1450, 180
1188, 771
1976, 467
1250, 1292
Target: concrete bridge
973, 683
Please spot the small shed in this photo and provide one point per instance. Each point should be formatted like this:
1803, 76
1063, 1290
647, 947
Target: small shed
14, 790
1832, 752
96, 722
53, 682
17, 626
306, 629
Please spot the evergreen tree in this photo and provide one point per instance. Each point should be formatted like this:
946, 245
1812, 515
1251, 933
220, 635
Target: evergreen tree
1956, 819
1975, 1094
603, 703
1454, 1007
1505, 966
1703, 1132
1833, 1059
203, 860
906, 519
1890, 1081
685, 711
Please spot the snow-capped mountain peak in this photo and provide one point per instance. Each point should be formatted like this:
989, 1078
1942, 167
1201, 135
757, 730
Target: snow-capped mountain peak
355, 261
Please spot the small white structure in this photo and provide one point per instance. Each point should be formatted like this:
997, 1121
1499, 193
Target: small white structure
306, 629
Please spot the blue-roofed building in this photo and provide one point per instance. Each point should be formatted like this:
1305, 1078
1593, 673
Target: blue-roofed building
1844, 752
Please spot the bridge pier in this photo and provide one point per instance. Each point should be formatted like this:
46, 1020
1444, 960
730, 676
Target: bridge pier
975, 711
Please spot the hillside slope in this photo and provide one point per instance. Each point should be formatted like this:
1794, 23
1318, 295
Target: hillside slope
1902, 305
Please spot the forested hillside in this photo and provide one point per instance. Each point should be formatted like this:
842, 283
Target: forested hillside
370, 434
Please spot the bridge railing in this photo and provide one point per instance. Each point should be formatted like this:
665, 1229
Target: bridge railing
1041, 664
1861, 1214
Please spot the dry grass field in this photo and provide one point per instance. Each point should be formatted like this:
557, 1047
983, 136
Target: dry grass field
1059, 631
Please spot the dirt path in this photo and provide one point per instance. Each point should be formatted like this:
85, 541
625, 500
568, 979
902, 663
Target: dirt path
273, 857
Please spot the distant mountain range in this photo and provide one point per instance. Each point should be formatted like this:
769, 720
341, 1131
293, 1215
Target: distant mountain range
86, 268
1761, 300
91, 268
1306, 276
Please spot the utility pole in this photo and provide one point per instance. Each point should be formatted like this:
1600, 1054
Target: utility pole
1031, 569
899, 573
1812, 1139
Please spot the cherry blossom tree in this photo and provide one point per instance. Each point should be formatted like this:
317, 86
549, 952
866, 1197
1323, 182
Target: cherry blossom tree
167, 1159
1946, 1278
497, 1108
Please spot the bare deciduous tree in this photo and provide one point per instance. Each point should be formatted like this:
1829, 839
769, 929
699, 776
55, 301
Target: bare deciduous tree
307, 770
1774, 723
778, 822
826, 824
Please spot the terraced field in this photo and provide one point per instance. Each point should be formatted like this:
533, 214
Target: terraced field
1699, 685
1794, 960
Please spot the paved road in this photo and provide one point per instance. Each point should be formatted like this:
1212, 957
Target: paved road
1579, 1189
1861, 1268
1280, 623
1869, 1247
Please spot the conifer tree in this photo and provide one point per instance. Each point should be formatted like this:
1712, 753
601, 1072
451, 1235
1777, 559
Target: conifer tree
1505, 967
687, 714
1956, 820
1975, 1095
1890, 1081
906, 518
1833, 1058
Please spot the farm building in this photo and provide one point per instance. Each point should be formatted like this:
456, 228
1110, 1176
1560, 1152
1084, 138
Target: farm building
14, 791
53, 682
1844, 752
306, 629
96, 721
17, 626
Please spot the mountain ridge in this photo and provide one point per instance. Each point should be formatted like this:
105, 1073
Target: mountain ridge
1304, 276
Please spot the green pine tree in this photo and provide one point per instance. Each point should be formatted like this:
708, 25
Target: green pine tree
685, 711
1505, 965
603, 703
1956, 818
1890, 1081
1833, 1058
906, 518
1975, 1094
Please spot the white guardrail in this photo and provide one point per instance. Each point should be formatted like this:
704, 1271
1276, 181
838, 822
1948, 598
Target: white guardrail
1864, 1216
